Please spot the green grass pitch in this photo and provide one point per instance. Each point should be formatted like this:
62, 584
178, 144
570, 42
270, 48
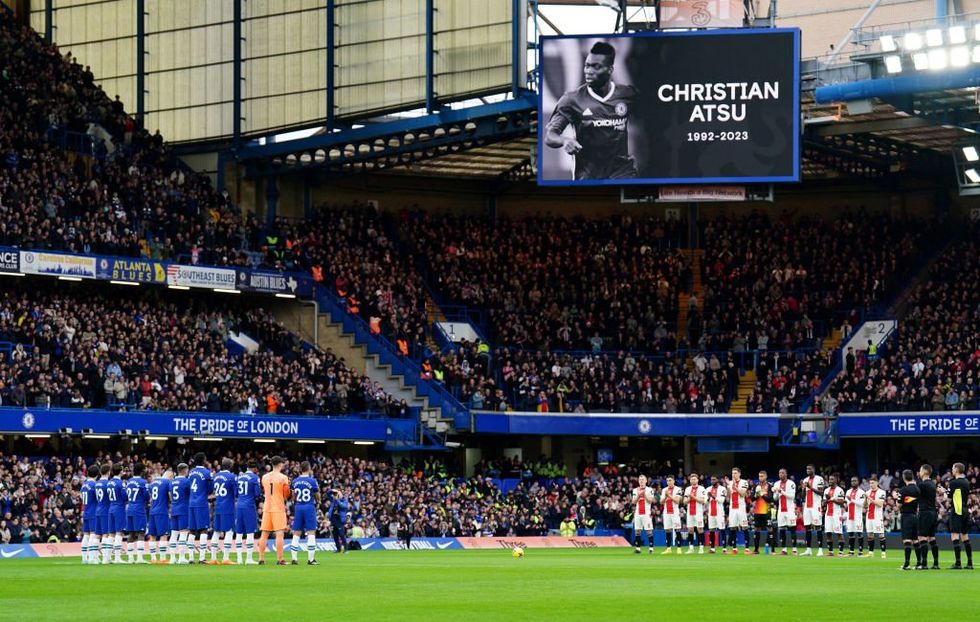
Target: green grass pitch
567, 585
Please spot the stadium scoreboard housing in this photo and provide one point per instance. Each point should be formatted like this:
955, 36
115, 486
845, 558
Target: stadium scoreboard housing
697, 107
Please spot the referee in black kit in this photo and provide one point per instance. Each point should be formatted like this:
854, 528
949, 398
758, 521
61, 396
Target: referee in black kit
927, 519
908, 497
959, 516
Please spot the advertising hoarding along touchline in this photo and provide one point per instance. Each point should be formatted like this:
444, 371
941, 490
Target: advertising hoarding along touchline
717, 106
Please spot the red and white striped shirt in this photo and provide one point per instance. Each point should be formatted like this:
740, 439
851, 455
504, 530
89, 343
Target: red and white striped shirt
812, 497
832, 493
695, 500
787, 495
855, 503
669, 506
738, 485
716, 504
872, 496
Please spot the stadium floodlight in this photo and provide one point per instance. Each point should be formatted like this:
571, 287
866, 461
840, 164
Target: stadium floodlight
222, 290
70, 278
912, 41
12, 274
124, 283
893, 63
149, 438
934, 37
972, 175
959, 56
921, 61
98, 436
264, 440
970, 153
364, 442
888, 43
208, 439
37, 436
285, 295
957, 35
182, 288
938, 59
65, 431
310, 441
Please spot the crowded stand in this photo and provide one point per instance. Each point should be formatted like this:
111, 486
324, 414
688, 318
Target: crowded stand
781, 283
40, 495
931, 362
618, 277
133, 199
75, 348
589, 382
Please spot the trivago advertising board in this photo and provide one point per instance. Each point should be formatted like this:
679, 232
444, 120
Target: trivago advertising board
712, 106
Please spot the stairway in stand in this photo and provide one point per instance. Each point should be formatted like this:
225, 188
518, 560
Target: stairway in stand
694, 257
433, 314
745, 385
832, 341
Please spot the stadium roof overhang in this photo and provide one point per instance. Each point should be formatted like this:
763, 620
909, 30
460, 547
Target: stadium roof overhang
490, 140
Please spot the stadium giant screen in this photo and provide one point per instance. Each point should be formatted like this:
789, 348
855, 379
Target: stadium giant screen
681, 107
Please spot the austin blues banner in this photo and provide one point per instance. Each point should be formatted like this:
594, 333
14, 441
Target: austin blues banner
17, 420
273, 282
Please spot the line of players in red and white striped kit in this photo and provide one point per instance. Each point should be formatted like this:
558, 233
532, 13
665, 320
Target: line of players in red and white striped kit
716, 513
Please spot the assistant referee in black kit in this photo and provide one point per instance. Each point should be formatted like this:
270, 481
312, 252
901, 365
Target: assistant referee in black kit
959, 516
908, 497
928, 518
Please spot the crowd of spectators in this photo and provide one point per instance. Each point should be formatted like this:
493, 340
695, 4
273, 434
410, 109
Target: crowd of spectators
135, 201
782, 283
932, 361
527, 380
83, 348
553, 283
40, 502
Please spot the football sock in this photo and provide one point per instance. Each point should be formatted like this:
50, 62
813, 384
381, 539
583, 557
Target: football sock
294, 547
249, 544
229, 539
202, 546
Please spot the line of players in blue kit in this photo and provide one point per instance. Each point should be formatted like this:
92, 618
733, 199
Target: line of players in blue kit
170, 515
